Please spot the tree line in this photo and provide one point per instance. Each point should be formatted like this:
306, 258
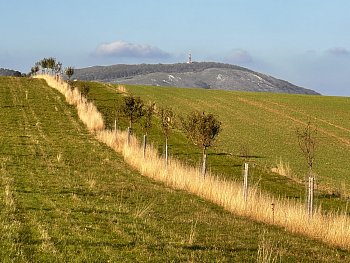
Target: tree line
10, 72
123, 71
201, 128
51, 66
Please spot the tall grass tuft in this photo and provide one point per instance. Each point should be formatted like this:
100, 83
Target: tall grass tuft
330, 228
283, 168
267, 251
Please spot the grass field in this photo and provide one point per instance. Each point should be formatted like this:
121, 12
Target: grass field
261, 125
266, 124
67, 198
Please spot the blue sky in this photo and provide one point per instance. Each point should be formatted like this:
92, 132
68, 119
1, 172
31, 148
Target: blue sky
306, 42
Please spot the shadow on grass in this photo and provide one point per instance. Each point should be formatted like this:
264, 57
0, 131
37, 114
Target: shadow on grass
251, 156
85, 243
225, 249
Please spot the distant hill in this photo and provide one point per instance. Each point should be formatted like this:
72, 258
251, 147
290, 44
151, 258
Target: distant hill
208, 75
10, 72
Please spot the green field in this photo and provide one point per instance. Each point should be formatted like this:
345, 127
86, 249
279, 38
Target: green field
260, 125
267, 124
65, 197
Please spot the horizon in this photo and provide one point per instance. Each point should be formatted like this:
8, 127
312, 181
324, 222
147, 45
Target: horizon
304, 43
164, 63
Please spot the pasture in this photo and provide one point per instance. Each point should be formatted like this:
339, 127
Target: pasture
67, 197
259, 128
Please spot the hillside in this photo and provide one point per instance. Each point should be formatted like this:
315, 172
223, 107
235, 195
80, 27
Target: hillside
9, 72
67, 198
259, 128
207, 75
264, 125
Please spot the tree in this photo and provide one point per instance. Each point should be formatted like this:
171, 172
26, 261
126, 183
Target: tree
84, 90
307, 141
202, 129
58, 67
147, 123
132, 108
148, 113
34, 69
44, 64
69, 71
51, 63
167, 117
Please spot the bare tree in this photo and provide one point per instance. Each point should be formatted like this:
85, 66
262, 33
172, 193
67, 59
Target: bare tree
307, 141
84, 90
132, 108
69, 71
34, 69
202, 129
167, 117
58, 67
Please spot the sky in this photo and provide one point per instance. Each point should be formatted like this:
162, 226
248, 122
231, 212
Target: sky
305, 42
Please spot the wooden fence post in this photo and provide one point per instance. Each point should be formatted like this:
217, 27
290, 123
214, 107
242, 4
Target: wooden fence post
204, 165
144, 145
166, 153
245, 183
310, 199
129, 135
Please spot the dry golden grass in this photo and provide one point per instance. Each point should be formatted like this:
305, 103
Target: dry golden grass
283, 168
122, 89
87, 111
333, 229
268, 252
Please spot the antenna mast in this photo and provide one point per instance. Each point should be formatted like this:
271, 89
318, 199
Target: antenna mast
189, 58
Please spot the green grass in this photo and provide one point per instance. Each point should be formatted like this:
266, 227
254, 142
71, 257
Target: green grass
264, 125
65, 197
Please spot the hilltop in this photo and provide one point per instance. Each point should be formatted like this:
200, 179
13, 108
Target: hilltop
10, 72
207, 75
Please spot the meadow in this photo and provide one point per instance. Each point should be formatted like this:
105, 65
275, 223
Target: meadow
259, 128
67, 197
265, 124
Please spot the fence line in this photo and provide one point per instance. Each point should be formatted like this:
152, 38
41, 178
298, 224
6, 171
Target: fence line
332, 228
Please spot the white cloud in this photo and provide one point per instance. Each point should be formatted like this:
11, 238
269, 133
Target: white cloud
338, 51
125, 49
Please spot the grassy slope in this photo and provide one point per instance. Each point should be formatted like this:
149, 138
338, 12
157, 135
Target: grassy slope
66, 197
263, 123
267, 122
